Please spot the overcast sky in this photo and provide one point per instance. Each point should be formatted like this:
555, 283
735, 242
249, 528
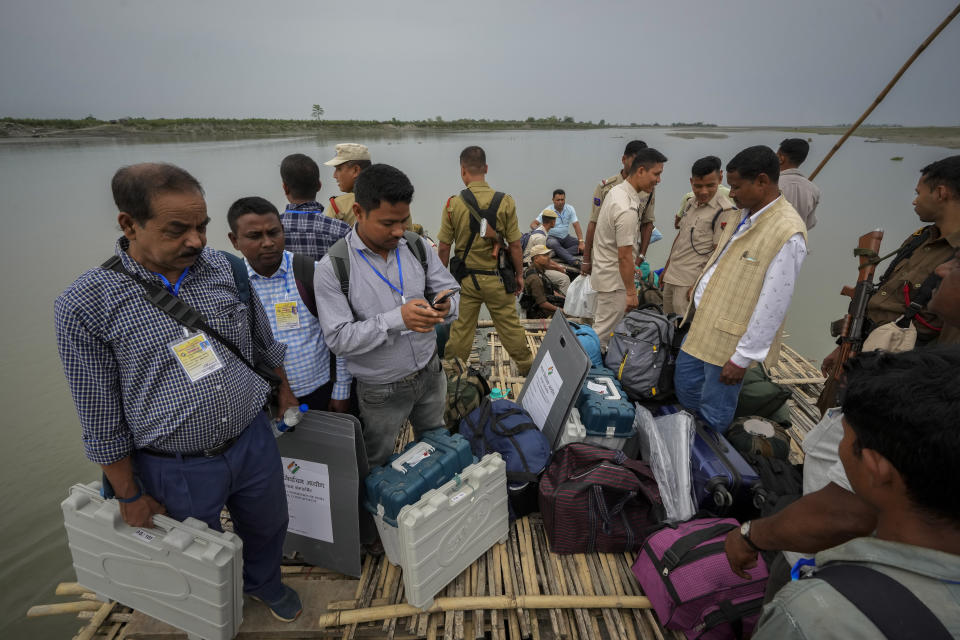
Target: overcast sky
733, 62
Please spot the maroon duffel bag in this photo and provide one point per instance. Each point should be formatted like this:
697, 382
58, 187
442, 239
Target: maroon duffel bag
595, 499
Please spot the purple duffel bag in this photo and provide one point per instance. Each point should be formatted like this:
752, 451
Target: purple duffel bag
685, 573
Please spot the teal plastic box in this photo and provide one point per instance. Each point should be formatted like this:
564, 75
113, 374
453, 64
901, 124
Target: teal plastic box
422, 466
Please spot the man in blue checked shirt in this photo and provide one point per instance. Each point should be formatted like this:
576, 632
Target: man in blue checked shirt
173, 417
307, 228
256, 232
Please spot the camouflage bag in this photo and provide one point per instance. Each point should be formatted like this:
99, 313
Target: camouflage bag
466, 387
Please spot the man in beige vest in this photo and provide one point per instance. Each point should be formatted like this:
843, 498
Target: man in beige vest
614, 249
741, 298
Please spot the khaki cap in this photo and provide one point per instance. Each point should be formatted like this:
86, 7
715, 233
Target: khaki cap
549, 212
349, 151
540, 250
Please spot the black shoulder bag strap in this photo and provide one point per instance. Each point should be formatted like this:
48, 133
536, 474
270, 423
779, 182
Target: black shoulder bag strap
187, 316
303, 270
889, 605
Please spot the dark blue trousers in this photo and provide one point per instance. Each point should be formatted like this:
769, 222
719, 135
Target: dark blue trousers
248, 479
565, 248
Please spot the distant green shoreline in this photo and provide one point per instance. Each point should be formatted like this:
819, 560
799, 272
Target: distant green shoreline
164, 128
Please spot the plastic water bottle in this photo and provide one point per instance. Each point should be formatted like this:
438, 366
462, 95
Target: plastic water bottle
291, 418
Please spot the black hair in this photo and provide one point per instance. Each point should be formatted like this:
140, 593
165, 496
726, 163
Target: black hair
705, 166
796, 150
646, 158
753, 161
559, 192
473, 159
633, 147
301, 175
905, 406
135, 186
363, 164
944, 172
381, 182
250, 204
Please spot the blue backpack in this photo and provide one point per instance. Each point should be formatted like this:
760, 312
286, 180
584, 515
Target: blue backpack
589, 341
503, 427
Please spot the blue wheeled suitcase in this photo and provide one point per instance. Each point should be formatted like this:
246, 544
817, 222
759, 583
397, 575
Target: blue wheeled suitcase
605, 412
722, 480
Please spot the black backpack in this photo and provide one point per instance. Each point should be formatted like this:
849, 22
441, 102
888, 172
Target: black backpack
780, 483
303, 268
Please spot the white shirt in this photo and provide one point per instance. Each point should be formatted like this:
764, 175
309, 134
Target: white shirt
775, 295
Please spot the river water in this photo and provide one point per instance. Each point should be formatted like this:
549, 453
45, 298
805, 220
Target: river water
59, 219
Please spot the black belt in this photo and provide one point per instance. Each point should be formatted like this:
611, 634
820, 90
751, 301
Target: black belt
212, 452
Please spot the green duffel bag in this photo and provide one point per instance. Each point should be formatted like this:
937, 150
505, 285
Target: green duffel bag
466, 387
760, 396
761, 436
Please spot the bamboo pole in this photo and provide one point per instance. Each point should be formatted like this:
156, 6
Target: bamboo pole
70, 589
372, 614
102, 613
39, 610
886, 90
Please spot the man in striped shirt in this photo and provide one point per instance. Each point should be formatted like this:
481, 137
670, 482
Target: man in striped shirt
256, 232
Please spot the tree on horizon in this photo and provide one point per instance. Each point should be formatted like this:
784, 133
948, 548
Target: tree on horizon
317, 112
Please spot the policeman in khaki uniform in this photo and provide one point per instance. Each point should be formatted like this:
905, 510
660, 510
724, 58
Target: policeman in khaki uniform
482, 284
701, 223
600, 194
351, 159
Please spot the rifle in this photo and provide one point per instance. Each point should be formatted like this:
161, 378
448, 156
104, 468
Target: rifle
850, 328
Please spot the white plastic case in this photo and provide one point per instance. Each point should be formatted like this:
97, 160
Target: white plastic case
182, 573
573, 430
450, 527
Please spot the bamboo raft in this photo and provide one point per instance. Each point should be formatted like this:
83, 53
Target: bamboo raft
515, 590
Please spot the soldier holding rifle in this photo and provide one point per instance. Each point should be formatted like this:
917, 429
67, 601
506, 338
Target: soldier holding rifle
909, 280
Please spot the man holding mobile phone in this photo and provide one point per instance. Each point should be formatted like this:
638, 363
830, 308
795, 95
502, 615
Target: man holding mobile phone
382, 320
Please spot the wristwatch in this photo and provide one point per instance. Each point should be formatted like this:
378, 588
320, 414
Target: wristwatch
745, 532
642, 258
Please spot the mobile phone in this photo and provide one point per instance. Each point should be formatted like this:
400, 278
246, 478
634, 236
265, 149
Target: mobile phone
442, 299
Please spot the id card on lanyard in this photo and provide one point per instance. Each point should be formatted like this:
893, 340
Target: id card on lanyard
194, 353
287, 314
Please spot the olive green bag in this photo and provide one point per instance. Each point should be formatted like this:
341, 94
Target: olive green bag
760, 396
466, 387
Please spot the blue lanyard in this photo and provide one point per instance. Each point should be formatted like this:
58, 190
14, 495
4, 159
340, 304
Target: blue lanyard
173, 288
742, 222
382, 277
